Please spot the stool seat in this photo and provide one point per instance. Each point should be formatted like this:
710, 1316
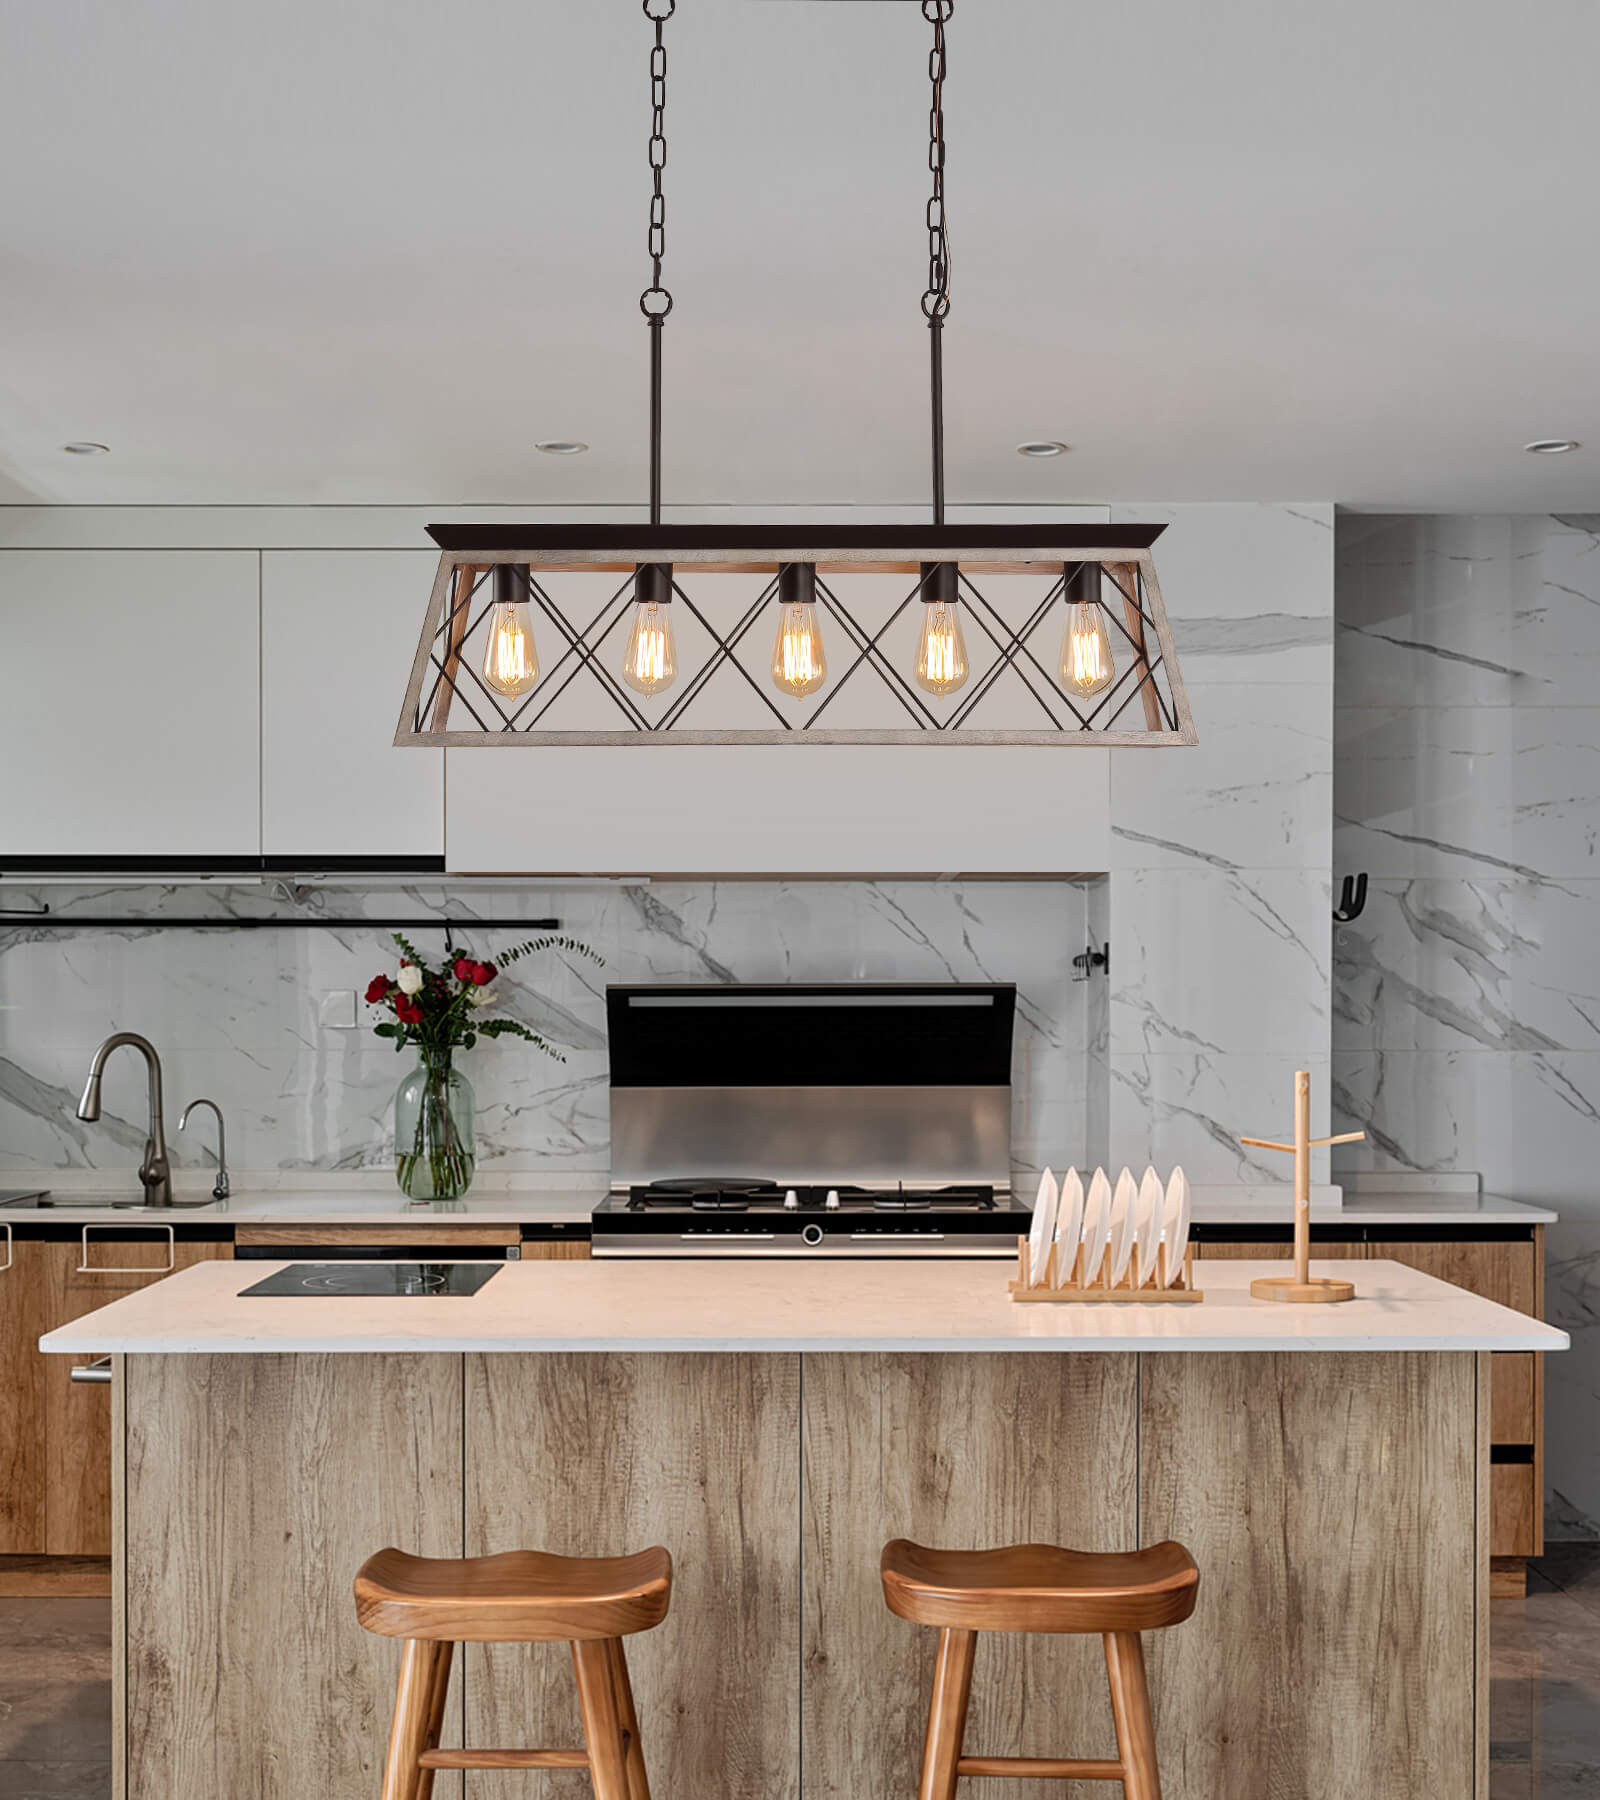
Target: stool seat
1038, 1587
518, 1596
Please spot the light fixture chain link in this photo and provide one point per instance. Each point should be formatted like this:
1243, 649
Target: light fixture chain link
656, 302
936, 301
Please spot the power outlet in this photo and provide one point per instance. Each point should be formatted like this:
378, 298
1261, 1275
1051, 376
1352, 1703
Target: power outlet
337, 1010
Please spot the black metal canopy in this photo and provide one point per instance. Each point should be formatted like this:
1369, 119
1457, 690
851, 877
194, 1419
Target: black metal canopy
661, 541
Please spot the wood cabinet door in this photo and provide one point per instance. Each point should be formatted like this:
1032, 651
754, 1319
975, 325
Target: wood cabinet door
1503, 1272
1282, 1248
22, 1386
77, 1417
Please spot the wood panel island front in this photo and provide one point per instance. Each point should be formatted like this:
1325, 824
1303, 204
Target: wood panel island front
774, 1425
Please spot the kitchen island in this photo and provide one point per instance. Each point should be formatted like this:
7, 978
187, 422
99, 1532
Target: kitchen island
774, 1425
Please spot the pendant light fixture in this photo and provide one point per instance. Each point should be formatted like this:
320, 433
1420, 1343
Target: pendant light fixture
907, 663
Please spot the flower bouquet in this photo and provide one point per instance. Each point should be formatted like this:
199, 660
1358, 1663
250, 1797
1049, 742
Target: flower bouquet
440, 1009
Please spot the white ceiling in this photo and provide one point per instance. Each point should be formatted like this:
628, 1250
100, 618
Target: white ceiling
370, 250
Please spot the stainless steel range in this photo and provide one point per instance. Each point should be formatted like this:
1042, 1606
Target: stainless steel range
878, 1119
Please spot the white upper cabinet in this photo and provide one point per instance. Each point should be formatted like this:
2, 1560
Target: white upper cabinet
131, 719
822, 809
338, 632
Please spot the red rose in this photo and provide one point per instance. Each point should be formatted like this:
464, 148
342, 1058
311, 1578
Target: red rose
378, 989
407, 1011
464, 968
483, 973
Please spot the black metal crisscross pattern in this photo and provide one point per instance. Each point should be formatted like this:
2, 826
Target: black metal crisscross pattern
1143, 680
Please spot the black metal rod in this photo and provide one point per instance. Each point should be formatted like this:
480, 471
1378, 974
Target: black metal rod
69, 922
655, 421
936, 387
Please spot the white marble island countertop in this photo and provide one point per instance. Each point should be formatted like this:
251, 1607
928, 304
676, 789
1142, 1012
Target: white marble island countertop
784, 1306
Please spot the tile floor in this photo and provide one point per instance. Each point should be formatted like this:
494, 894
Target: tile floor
55, 1690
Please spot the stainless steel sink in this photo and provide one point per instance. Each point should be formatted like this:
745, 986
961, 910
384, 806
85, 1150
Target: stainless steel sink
43, 1198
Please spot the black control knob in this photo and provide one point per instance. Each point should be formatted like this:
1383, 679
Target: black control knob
811, 1234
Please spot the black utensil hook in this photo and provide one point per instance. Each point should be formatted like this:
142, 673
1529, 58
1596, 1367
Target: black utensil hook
1352, 899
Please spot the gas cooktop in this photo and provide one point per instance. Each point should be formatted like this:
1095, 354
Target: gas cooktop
398, 1281
751, 1216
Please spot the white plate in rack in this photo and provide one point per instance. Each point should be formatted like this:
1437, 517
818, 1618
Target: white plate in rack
1096, 1225
1123, 1206
1175, 1224
1041, 1234
1069, 1224
1148, 1219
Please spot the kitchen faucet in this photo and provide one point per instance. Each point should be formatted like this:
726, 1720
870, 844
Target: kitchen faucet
219, 1188
155, 1171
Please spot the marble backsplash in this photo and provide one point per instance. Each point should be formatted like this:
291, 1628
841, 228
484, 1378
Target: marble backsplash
1466, 1029
240, 1015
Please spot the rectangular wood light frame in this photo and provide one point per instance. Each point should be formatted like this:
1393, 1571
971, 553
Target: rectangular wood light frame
447, 703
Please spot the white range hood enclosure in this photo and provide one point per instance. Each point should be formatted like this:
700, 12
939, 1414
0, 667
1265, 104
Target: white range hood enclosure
836, 809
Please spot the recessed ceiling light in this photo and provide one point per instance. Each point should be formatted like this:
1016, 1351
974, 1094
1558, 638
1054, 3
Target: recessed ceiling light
1043, 447
561, 447
1552, 446
87, 449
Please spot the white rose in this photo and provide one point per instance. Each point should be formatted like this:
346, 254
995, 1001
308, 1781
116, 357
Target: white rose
480, 996
409, 980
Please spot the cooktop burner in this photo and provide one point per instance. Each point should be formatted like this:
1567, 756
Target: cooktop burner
400, 1281
726, 1194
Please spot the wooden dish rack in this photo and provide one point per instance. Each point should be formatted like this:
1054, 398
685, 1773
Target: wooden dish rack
1155, 1290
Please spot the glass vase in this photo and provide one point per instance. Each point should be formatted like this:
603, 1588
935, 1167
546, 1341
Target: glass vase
433, 1130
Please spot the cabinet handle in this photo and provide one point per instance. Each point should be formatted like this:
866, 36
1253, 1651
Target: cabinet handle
95, 1372
85, 1267
11, 1247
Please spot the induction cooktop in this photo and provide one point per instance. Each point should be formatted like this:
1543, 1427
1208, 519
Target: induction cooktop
399, 1281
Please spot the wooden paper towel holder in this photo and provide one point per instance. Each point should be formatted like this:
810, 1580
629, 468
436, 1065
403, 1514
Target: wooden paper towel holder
1302, 1286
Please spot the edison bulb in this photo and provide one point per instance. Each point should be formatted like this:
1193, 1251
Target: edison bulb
510, 663
942, 653
798, 663
1086, 664
650, 662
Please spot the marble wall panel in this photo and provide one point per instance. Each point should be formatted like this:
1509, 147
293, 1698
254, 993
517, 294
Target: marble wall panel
1192, 1109
1221, 961
237, 1015
1248, 588
1220, 855
1466, 1023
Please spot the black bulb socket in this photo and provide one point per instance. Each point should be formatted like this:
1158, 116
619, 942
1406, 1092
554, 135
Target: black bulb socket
941, 583
652, 584
1083, 582
797, 584
510, 583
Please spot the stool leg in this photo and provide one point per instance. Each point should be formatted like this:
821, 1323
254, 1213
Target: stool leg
638, 1782
602, 1729
438, 1693
947, 1714
1130, 1706
408, 1733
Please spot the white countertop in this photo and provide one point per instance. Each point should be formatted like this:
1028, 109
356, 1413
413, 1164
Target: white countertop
539, 1206
362, 1202
787, 1306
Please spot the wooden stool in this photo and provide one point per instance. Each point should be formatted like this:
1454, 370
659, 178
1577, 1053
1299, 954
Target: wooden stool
519, 1597
1036, 1587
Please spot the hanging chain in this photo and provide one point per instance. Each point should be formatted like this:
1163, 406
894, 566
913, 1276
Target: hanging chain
655, 302
936, 301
